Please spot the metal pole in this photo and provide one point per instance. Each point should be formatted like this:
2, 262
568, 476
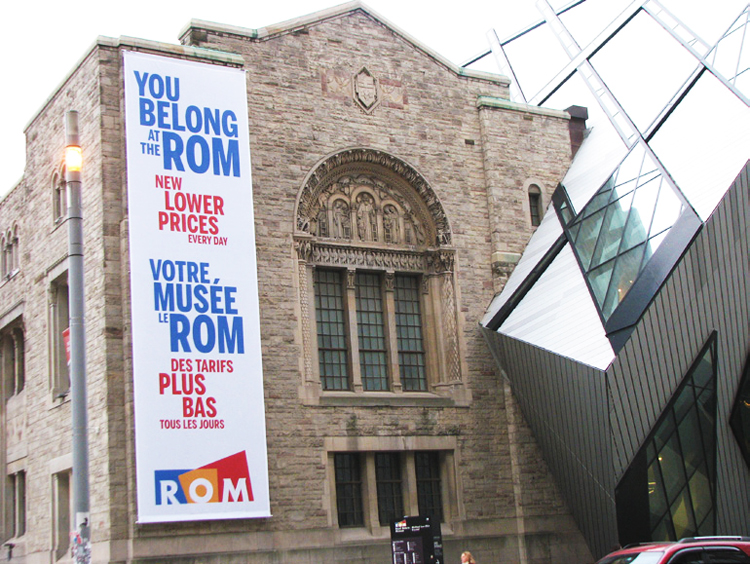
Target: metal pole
81, 536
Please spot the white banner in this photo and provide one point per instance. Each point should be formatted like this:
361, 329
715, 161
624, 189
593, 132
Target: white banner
199, 411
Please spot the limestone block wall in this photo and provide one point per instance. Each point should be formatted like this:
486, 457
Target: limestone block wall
476, 157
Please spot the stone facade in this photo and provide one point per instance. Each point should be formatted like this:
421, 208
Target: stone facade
339, 85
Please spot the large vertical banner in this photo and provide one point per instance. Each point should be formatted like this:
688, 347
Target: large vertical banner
199, 409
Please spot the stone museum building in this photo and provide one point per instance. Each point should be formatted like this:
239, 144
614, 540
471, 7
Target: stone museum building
393, 194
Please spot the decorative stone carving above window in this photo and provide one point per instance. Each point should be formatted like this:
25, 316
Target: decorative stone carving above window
366, 90
368, 219
356, 183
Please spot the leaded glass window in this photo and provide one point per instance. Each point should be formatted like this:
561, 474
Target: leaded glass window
330, 319
388, 478
386, 324
428, 484
535, 205
348, 490
409, 328
371, 332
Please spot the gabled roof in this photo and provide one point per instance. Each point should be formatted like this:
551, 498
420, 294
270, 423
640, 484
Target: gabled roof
316, 18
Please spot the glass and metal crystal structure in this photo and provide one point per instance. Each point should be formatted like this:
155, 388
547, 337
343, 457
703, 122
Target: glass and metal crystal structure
640, 260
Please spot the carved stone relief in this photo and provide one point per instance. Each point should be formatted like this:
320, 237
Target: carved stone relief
366, 90
368, 196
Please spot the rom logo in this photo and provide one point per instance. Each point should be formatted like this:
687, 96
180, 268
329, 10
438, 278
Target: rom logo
224, 481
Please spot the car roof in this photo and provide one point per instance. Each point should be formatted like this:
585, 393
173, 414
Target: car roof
670, 547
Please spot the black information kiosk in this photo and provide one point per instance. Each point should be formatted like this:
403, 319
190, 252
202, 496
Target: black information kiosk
416, 540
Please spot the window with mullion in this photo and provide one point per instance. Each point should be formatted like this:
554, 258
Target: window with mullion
373, 358
429, 497
331, 325
388, 478
411, 358
348, 490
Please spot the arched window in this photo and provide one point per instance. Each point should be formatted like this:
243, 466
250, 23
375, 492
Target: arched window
12, 358
373, 242
59, 195
535, 205
9, 253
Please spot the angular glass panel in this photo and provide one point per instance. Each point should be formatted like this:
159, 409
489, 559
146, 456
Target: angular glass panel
682, 516
622, 189
587, 235
626, 271
670, 461
700, 493
587, 19
692, 137
631, 166
599, 201
657, 503
540, 58
644, 202
689, 496
667, 210
648, 175
653, 244
683, 403
649, 50
663, 531
599, 280
664, 430
690, 438
704, 371
740, 418
611, 231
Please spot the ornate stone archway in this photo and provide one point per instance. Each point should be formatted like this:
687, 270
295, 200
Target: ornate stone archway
365, 210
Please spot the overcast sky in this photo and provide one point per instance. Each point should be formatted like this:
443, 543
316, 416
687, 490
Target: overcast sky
43, 40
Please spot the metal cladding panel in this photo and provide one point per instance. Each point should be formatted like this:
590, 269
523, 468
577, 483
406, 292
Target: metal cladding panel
590, 424
708, 291
557, 314
565, 403
544, 237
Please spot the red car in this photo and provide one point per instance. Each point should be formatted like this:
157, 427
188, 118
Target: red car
693, 550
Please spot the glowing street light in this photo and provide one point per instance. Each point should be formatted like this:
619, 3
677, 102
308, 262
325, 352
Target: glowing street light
81, 535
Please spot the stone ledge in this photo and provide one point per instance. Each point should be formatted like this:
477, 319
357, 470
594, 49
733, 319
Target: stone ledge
500, 103
381, 399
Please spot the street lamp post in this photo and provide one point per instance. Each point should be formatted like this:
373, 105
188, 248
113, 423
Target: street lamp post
80, 537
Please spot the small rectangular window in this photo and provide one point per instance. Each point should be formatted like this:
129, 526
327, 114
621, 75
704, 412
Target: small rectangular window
61, 513
348, 490
429, 495
59, 322
388, 478
535, 205
17, 487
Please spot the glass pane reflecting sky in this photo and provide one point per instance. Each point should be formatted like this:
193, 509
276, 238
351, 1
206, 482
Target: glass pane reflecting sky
587, 20
543, 59
636, 61
705, 142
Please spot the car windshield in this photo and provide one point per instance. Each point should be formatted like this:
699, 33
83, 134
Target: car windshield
640, 558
